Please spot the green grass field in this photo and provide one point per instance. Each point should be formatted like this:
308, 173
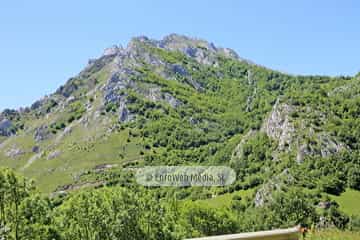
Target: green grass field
349, 202
333, 235
225, 199
77, 156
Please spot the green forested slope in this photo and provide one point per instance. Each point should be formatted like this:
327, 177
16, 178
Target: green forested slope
292, 140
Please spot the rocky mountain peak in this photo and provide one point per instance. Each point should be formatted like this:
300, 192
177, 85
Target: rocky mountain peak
203, 51
112, 50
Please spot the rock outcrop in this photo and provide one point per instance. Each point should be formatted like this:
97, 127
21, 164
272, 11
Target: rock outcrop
124, 115
202, 51
112, 51
170, 99
155, 94
6, 128
118, 81
42, 133
14, 151
53, 154
35, 149
276, 183
279, 126
238, 151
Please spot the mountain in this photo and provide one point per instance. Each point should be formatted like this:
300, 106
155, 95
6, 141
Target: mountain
180, 101
293, 142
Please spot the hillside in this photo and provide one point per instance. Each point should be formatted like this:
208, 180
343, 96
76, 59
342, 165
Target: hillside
185, 101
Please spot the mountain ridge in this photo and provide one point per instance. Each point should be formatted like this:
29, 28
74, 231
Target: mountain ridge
174, 101
114, 49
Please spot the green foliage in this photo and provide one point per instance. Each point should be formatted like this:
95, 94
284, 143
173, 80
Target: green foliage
219, 106
331, 175
25, 215
76, 110
285, 210
354, 223
203, 220
110, 107
138, 213
332, 185
354, 177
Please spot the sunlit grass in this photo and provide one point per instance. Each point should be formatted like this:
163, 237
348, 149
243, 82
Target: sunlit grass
333, 235
349, 202
226, 199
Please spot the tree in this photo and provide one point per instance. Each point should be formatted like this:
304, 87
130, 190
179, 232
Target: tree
203, 220
354, 178
291, 208
332, 185
36, 219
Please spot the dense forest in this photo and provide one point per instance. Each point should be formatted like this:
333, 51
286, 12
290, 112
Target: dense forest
139, 213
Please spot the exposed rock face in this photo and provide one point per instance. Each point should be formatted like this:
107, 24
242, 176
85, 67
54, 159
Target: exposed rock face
178, 69
111, 51
238, 151
70, 99
302, 152
229, 53
155, 94
36, 105
326, 146
329, 146
126, 61
202, 51
69, 88
349, 90
124, 115
91, 61
6, 128
264, 194
35, 149
117, 82
53, 154
136, 53
279, 126
9, 114
13, 152
42, 133
196, 85
171, 100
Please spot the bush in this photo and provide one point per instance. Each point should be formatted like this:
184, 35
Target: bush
237, 197
207, 221
354, 178
354, 223
339, 219
332, 185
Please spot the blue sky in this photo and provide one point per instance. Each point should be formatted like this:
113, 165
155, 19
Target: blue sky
43, 43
